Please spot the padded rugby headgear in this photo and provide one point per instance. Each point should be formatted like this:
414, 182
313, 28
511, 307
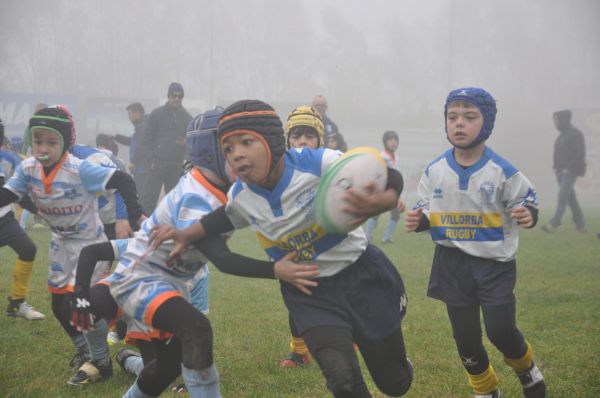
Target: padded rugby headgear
57, 119
257, 117
481, 99
305, 116
202, 144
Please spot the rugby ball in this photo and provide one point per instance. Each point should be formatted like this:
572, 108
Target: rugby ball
355, 169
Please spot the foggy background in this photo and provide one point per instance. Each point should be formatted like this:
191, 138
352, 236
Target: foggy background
381, 64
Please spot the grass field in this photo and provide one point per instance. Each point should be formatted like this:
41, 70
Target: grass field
558, 293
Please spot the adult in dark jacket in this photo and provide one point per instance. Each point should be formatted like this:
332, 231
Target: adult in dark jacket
163, 143
137, 158
569, 163
319, 103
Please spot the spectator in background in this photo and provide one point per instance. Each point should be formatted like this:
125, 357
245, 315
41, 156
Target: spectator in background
137, 160
569, 163
319, 103
163, 143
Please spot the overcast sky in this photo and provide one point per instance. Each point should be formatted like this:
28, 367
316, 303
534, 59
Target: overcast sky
381, 64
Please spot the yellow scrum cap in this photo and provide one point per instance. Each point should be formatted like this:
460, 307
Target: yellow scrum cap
305, 116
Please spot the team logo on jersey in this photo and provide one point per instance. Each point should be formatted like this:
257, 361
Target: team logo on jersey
71, 193
305, 201
486, 190
438, 193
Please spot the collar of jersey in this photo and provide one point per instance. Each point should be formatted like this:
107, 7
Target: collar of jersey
274, 196
465, 174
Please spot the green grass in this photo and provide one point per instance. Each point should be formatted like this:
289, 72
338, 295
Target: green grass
558, 298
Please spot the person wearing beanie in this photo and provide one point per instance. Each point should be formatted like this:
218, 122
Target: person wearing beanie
390, 144
569, 164
64, 189
473, 202
163, 143
13, 236
274, 195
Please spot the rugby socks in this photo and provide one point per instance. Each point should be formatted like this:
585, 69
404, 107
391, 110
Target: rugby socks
523, 364
21, 275
202, 383
135, 392
485, 382
298, 346
79, 343
96, 340
133, 365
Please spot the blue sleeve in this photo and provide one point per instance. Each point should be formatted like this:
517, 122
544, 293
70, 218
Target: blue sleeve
94, 178
121, 211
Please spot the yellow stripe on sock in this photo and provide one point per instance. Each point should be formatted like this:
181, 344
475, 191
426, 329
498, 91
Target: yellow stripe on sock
21, 275
485, 382
298, 346
522, 364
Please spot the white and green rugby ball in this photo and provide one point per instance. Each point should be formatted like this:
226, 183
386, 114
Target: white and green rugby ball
355, 169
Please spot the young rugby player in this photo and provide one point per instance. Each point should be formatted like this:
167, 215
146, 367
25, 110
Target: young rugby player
390, 144
64, 189
358, 295
14, 236
473, 202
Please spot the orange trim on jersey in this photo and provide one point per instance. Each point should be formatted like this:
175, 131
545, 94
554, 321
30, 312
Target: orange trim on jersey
47, 180
198, 176
155, 334
61, 290
259, 137
157, 302
242, 114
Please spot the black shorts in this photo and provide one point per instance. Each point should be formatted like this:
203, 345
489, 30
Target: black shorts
368, 297
9, 229
462, 280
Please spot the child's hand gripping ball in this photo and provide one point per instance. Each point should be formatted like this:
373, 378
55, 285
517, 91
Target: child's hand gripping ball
356, 169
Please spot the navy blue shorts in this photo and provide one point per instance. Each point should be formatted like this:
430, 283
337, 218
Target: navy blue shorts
462, 280
368, 297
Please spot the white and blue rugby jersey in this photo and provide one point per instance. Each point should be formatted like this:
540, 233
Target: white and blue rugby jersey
469, 208
66, 198
110, 200
8, 163
391, 160
186, 204
284, 219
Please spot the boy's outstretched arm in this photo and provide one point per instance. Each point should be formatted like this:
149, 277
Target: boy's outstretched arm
212, 224
81, 316
299, 275
375, 202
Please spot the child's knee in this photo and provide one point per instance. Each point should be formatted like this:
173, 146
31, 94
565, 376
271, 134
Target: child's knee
395, 379
343, 376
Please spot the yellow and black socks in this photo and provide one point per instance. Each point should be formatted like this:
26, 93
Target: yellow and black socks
21, 275
523, 364
484, 383
298, 346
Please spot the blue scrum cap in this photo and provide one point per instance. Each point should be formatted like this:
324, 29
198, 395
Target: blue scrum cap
483, 101
202, 145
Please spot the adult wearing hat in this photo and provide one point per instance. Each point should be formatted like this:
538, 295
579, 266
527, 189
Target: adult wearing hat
163, 143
